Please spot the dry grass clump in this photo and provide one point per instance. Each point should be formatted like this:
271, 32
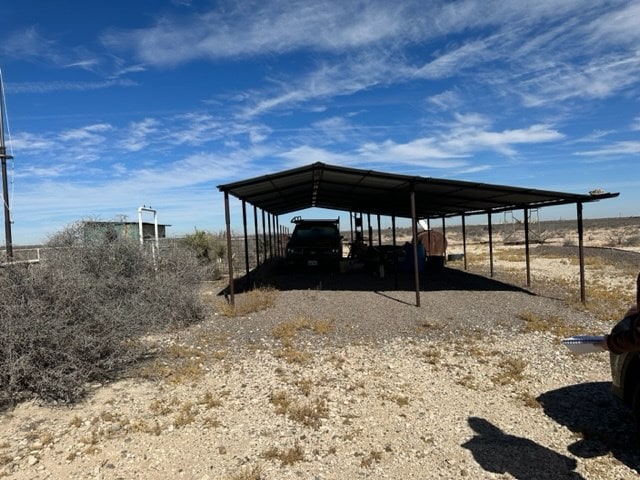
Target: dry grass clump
368, 460
293, 355
509, 255
510, 370
249, 302
176, 370
468, 381
249, 473
308, 412
288, 456
608, 304
546, 323
529, 400
209, 401
286, 332
186, 415
432, 355
476, 258
401, 400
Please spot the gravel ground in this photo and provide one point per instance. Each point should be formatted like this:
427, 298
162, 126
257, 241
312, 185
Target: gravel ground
344, 377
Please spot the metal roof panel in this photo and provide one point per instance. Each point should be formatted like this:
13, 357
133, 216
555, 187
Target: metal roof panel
368, 191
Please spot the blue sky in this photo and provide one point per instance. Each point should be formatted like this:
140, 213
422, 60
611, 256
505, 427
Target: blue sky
114, 105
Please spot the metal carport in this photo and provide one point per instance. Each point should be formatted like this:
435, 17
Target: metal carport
372, 192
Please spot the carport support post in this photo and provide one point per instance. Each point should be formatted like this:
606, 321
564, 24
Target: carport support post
278, 231
379, 232
264, 237
227, 218
351, 214
583, 296
526, 246
444, 236
255, 229
393, 229
274, 237
414, 231
246, 242
269, 220
490, 245
464, 241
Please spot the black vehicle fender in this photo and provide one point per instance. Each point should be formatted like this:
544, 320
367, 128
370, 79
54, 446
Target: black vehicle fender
635, 404
630, 380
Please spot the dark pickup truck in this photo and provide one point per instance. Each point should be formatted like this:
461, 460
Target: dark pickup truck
315, 243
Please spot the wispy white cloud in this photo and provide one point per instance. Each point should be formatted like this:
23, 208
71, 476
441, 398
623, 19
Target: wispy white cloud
138, 135
617, 27
179, 188
30, 43
537, 44
61, 86
425, 152
237, 29
304, 155
452, 148
88, 64
616, 149
194, 129
358, 73
635, 125
593, 137
474, 132
474, 169
597, 79
455, 61
447, 100
31, 143
472, 139
68, 147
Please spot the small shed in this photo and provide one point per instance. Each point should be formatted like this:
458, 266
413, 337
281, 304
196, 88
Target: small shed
113, 230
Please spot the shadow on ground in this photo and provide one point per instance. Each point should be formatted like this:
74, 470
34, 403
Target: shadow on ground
499, 452
602, 423
277, 275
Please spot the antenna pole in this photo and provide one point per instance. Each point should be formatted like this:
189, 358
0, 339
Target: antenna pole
5, 191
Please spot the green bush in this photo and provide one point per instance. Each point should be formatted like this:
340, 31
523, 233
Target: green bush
209, 249
79, 315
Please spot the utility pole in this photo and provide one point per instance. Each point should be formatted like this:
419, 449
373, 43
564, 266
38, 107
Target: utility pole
5, 191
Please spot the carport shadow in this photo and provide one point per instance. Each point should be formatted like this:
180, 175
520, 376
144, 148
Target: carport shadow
498, 452
277, 275
603, 423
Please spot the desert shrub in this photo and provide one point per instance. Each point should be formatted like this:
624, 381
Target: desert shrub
209, 249
632, 241
79, 315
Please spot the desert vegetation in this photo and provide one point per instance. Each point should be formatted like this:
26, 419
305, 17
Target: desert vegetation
82, 314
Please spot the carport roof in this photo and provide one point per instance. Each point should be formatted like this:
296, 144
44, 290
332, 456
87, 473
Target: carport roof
367, 191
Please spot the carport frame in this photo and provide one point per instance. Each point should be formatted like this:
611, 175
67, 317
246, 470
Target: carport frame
373, 192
